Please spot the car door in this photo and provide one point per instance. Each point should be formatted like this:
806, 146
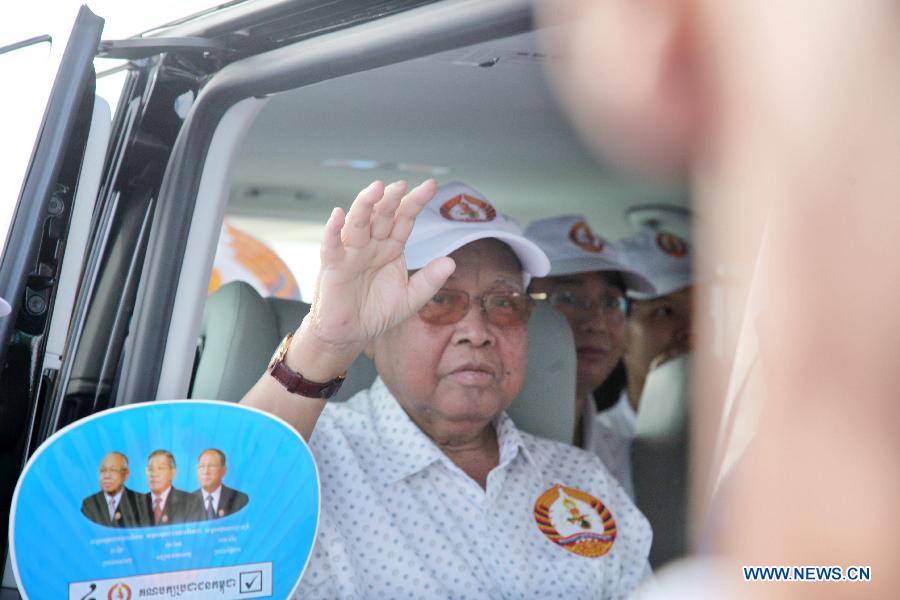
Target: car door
30, 265
76, 243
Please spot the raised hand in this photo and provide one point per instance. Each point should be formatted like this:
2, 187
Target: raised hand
363, 287
362, 290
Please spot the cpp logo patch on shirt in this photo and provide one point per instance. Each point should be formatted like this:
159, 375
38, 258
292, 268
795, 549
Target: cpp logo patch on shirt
585, 238
576, 521
468, 209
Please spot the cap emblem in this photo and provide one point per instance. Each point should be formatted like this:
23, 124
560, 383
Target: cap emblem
583, 237
671, 244
576, 521
468, 209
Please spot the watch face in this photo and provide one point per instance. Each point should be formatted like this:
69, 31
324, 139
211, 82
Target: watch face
280, 352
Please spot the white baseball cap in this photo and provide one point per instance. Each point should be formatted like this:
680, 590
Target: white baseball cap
573, 248
663, 257
458, 215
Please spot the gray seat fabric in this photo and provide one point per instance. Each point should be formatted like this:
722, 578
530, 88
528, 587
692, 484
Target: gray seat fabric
240, 331
238, 334
546, 404
660, 458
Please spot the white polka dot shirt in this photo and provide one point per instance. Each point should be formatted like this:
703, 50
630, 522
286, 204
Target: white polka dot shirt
400, 520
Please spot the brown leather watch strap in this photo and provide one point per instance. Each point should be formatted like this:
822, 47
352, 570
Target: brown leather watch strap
296, 383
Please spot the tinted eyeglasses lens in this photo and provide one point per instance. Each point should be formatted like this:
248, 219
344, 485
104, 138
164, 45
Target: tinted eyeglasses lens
503, 309
614, 307
507, 309
445, 307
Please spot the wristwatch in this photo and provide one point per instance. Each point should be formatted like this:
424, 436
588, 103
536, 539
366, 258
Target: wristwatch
296, 383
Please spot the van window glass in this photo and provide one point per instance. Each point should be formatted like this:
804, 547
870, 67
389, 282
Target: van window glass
21, 110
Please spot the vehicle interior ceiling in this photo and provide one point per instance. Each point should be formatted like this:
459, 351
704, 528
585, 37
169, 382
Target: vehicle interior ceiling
483, 114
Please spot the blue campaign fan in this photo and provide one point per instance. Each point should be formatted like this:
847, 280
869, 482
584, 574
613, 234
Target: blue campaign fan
182, 499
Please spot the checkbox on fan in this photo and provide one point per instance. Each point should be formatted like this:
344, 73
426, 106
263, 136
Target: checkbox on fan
250, 581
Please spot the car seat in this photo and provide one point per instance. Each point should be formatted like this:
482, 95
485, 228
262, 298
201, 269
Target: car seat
240, 330
660, 458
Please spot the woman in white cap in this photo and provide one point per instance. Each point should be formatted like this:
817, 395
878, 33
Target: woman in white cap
657, 343
587, 282
659, 324
428, 488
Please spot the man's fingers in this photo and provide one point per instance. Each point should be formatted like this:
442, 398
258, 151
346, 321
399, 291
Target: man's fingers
425, 282
383, 212
332, 249
410, 206
358, 223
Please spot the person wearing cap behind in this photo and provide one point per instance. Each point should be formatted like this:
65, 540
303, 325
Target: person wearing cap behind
657, 346
587, 282
659, 324
428, 488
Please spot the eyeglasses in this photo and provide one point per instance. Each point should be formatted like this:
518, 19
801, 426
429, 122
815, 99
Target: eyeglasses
580, 305
105, 470
503, 309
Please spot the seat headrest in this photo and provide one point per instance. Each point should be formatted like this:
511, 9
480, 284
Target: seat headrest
238, 334
546, 404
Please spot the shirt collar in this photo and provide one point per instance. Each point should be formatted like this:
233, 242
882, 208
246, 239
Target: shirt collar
509, 440
163, 497
408, 449
116, 497
620, 417
626, 410
411, 451
216, 494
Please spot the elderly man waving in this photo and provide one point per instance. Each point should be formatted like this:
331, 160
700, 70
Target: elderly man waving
428, 488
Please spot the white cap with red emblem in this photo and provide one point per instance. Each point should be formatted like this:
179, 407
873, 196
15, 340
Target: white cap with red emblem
663, 257
458, 215
574, 248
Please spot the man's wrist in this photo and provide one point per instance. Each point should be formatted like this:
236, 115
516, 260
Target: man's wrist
315, 359
295, 382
